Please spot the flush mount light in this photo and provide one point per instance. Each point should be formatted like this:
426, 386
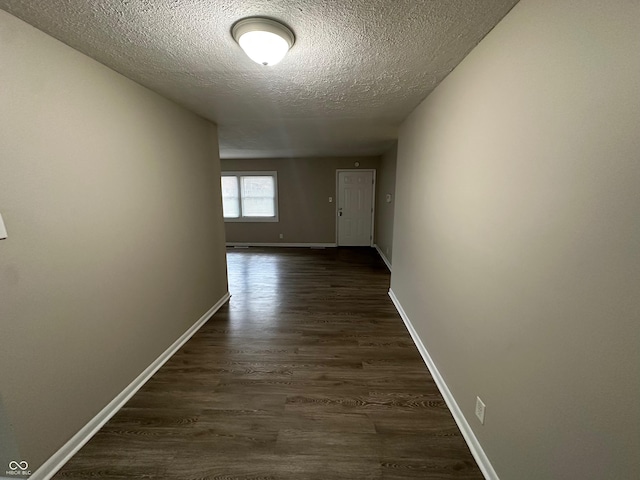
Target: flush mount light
264, 41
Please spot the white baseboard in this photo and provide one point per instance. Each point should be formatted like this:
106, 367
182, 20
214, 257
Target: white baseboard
474, 445
383, 256
303, 245
49, 468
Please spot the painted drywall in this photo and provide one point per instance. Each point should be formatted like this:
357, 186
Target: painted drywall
386, 185
517, 240
111, 199
304, 188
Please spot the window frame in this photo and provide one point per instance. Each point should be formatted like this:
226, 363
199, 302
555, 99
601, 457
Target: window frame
246, 219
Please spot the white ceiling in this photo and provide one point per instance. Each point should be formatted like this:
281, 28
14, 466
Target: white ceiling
357, 69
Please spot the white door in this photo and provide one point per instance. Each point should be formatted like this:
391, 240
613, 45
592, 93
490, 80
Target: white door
355, 207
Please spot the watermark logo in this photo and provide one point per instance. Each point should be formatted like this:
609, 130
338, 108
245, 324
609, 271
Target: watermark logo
18, 468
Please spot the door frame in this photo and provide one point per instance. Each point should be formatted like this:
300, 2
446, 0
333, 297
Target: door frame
373, 198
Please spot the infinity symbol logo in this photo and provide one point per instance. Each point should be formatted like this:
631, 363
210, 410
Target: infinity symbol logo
13, 465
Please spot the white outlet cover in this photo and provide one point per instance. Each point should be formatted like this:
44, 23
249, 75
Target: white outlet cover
480, 407
3, 230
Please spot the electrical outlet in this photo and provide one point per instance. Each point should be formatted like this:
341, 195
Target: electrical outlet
282, 235
3, 230
330, 199
480, 406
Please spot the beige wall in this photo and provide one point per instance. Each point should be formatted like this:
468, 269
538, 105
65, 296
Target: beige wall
304, 188
386, 184
111, 199
517, 238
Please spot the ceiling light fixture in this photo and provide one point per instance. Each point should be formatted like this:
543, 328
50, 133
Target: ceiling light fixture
264, 41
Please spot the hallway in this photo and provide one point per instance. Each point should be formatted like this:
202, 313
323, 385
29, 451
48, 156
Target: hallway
307, 373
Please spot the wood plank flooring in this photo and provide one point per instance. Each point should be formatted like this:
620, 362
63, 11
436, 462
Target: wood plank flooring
307, 373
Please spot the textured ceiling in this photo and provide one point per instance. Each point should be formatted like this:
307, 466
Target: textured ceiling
357, 69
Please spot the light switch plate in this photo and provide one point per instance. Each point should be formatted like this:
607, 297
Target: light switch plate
3, 230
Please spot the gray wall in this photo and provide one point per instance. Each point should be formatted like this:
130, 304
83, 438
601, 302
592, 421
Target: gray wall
111, 197
386, 184
517, 238
304, 188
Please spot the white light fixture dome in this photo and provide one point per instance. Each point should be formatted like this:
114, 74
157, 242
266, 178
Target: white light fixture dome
264, 41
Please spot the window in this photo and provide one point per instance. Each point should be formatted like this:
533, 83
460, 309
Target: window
250, 196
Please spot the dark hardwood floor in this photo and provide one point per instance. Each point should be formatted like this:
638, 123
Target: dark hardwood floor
308, 373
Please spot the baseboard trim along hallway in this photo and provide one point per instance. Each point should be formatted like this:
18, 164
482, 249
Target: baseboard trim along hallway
383, 257
474, 445
62, 456
284, 245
